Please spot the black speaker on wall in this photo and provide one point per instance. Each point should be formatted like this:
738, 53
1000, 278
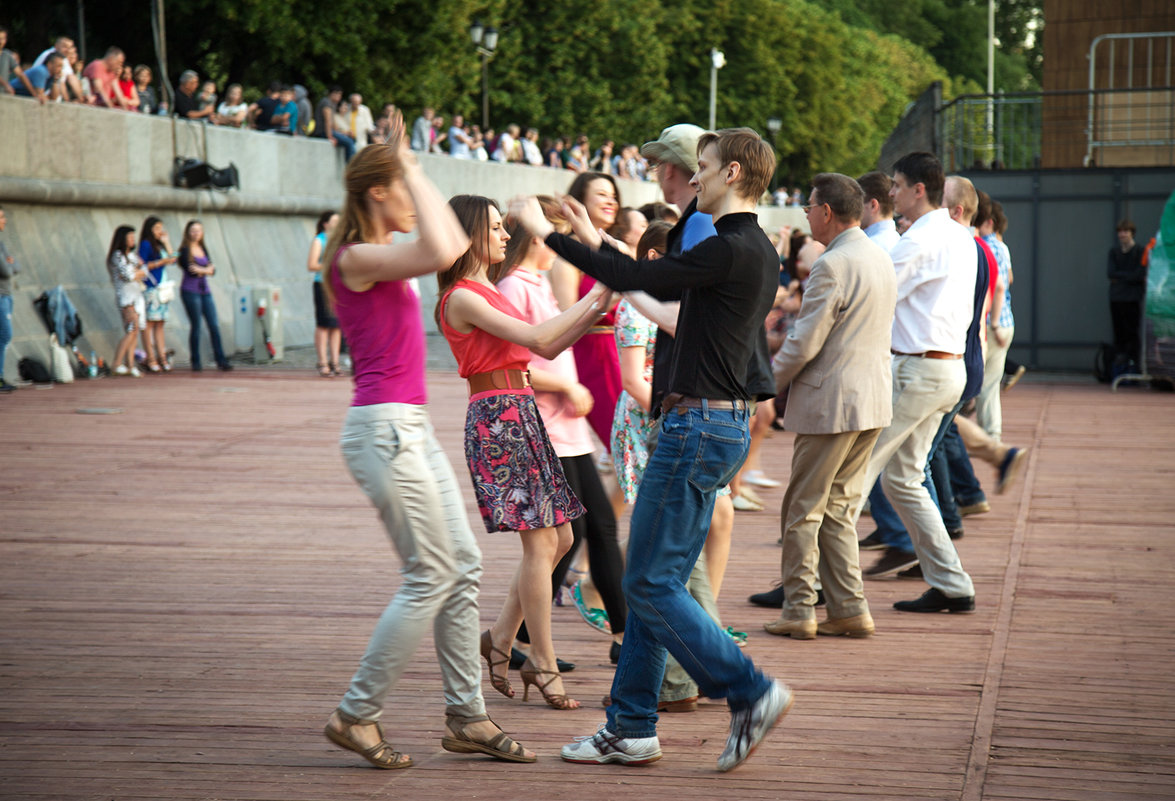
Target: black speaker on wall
195, 174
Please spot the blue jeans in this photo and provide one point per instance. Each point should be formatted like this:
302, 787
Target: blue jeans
699, 451
964, 484
346, 143
197, 305
5, 328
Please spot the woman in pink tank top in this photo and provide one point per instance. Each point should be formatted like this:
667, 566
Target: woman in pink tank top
518, 480
391, 451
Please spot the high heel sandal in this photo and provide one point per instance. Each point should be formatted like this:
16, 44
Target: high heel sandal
488, 652
530, 675
499, 747
382, 754
324, 370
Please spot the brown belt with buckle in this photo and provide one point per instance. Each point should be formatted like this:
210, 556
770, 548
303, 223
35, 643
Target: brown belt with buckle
675, 400
498, 380
930, 354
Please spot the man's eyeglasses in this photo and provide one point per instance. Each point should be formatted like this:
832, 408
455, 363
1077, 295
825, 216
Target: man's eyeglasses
811, 206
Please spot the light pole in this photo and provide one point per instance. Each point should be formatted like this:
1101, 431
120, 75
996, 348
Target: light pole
486, 41
774, 124
717, 62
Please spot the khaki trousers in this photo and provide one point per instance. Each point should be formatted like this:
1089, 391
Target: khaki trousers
817, 520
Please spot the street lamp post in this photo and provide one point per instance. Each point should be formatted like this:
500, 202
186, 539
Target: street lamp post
717, 62
486, 41
774, 124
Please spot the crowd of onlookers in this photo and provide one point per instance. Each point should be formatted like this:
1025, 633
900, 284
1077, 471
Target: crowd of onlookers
109, 82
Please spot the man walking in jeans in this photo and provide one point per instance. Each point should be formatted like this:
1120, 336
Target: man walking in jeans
728, 285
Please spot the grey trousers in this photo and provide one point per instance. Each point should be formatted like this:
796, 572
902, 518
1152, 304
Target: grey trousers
394, 456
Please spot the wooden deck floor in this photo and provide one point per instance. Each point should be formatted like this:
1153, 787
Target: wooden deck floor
186, 586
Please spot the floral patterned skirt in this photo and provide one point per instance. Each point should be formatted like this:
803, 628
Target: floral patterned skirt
517, 477
631, 427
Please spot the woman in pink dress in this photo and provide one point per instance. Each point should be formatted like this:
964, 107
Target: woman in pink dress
596, 357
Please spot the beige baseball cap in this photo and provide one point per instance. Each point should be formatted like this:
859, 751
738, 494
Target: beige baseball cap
678, 144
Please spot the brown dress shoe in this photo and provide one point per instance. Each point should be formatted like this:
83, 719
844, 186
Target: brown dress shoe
855, 626
798, 629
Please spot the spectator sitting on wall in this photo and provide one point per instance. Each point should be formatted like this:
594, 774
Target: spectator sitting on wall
602, 159
10, 66
459, 140
43, 80
439, 134
285, 117
261, 112
530, 148
103, 74
233, 110
187, 105
305, 110
422, 130
360, 123
69, 86
126, 85
324, 125
148, 103
206, 100
508, 148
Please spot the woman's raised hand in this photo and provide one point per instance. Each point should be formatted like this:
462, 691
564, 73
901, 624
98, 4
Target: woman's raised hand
527, 212
581, 223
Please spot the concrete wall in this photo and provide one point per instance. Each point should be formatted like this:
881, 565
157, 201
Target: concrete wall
69, 175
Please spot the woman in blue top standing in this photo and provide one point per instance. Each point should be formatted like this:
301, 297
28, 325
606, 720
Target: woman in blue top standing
155, 252
326, 326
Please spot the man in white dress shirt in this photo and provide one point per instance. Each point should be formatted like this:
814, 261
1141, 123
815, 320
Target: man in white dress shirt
935, 262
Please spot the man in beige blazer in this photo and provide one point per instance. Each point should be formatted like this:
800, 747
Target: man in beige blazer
836, 359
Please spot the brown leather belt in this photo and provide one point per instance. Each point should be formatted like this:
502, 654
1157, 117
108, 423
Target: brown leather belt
498, 380
675, 400
930, 354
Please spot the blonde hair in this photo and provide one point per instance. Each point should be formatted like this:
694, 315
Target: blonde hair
374, 166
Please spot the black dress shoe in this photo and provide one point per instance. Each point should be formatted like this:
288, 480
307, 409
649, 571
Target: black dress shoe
517, 658
773, 599
614, 653
934, 601
914, 572
893, 560
872, 542
956, 534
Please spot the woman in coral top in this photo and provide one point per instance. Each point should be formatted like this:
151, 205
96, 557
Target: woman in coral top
391, 451
517, 477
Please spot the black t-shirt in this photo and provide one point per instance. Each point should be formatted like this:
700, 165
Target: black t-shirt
320, 123
727, 285
185, 104
265, 108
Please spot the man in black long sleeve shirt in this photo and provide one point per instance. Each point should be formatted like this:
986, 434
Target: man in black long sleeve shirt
727, 285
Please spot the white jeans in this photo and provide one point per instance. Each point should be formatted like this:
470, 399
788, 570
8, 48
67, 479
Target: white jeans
923, 391
988, 411
394, 456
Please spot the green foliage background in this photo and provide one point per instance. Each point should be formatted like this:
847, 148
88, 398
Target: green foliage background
838, 73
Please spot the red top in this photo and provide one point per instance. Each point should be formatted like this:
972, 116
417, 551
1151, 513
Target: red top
479, 351
585, 286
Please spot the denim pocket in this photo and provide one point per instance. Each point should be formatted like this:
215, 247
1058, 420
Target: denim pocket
719, 455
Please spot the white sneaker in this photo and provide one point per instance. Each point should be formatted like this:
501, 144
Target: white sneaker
757, 478
604, 746
741, 504
748, 727
121, 370
136, 372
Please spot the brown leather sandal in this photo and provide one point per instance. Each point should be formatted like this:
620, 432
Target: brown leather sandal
382, 754
499, 747
498, 681
534, 675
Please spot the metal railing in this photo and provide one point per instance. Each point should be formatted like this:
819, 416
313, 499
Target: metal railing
1102, 127
1138, 110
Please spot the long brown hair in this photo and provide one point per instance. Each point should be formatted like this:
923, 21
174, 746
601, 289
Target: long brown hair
373, 166
473, 211
579, 187
518, 248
